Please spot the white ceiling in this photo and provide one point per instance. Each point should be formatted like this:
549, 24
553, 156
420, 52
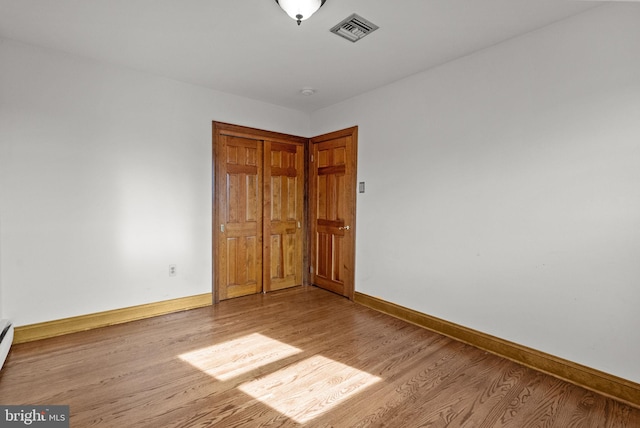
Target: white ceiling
253, 49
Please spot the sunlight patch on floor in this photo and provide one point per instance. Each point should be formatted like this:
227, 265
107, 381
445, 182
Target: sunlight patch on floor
307, 389
239, 356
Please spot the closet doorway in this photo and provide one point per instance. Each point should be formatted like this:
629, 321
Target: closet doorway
258, 228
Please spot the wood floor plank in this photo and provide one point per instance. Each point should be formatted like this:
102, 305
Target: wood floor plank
298, 357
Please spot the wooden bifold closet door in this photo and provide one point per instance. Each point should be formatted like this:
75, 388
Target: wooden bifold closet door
259, 211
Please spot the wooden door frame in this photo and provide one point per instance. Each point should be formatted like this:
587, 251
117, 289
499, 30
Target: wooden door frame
351, 255
218, 187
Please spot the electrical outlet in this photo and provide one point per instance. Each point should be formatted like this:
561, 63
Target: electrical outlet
172, 270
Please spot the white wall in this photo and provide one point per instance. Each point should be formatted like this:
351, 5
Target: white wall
105, 180
503, 190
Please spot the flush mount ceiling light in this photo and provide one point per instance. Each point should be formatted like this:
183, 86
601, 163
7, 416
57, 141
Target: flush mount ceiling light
300, 9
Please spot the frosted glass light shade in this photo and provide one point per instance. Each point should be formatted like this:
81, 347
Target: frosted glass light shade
300, 9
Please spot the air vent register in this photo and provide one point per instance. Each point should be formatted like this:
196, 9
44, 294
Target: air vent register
354, 28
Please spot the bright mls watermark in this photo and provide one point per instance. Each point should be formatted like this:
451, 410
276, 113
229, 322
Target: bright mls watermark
34, 416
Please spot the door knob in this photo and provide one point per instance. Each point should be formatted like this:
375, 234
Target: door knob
344, 227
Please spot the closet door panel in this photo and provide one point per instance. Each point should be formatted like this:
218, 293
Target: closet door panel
240, 240
283, 214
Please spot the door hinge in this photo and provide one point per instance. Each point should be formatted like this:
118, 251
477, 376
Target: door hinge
311, 158
310, 269
222, 228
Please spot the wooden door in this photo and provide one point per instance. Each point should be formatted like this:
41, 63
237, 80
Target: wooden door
283, 215
332, 190
239, 194
258, 211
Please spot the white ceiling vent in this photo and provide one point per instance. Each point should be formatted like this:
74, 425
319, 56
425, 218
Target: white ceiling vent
354, 28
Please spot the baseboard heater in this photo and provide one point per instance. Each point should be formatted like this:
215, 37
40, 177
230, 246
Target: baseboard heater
6, 339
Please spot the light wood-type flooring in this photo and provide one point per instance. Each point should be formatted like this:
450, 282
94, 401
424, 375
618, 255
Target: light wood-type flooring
299, 357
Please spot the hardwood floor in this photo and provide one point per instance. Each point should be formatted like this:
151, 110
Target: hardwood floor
299, 357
